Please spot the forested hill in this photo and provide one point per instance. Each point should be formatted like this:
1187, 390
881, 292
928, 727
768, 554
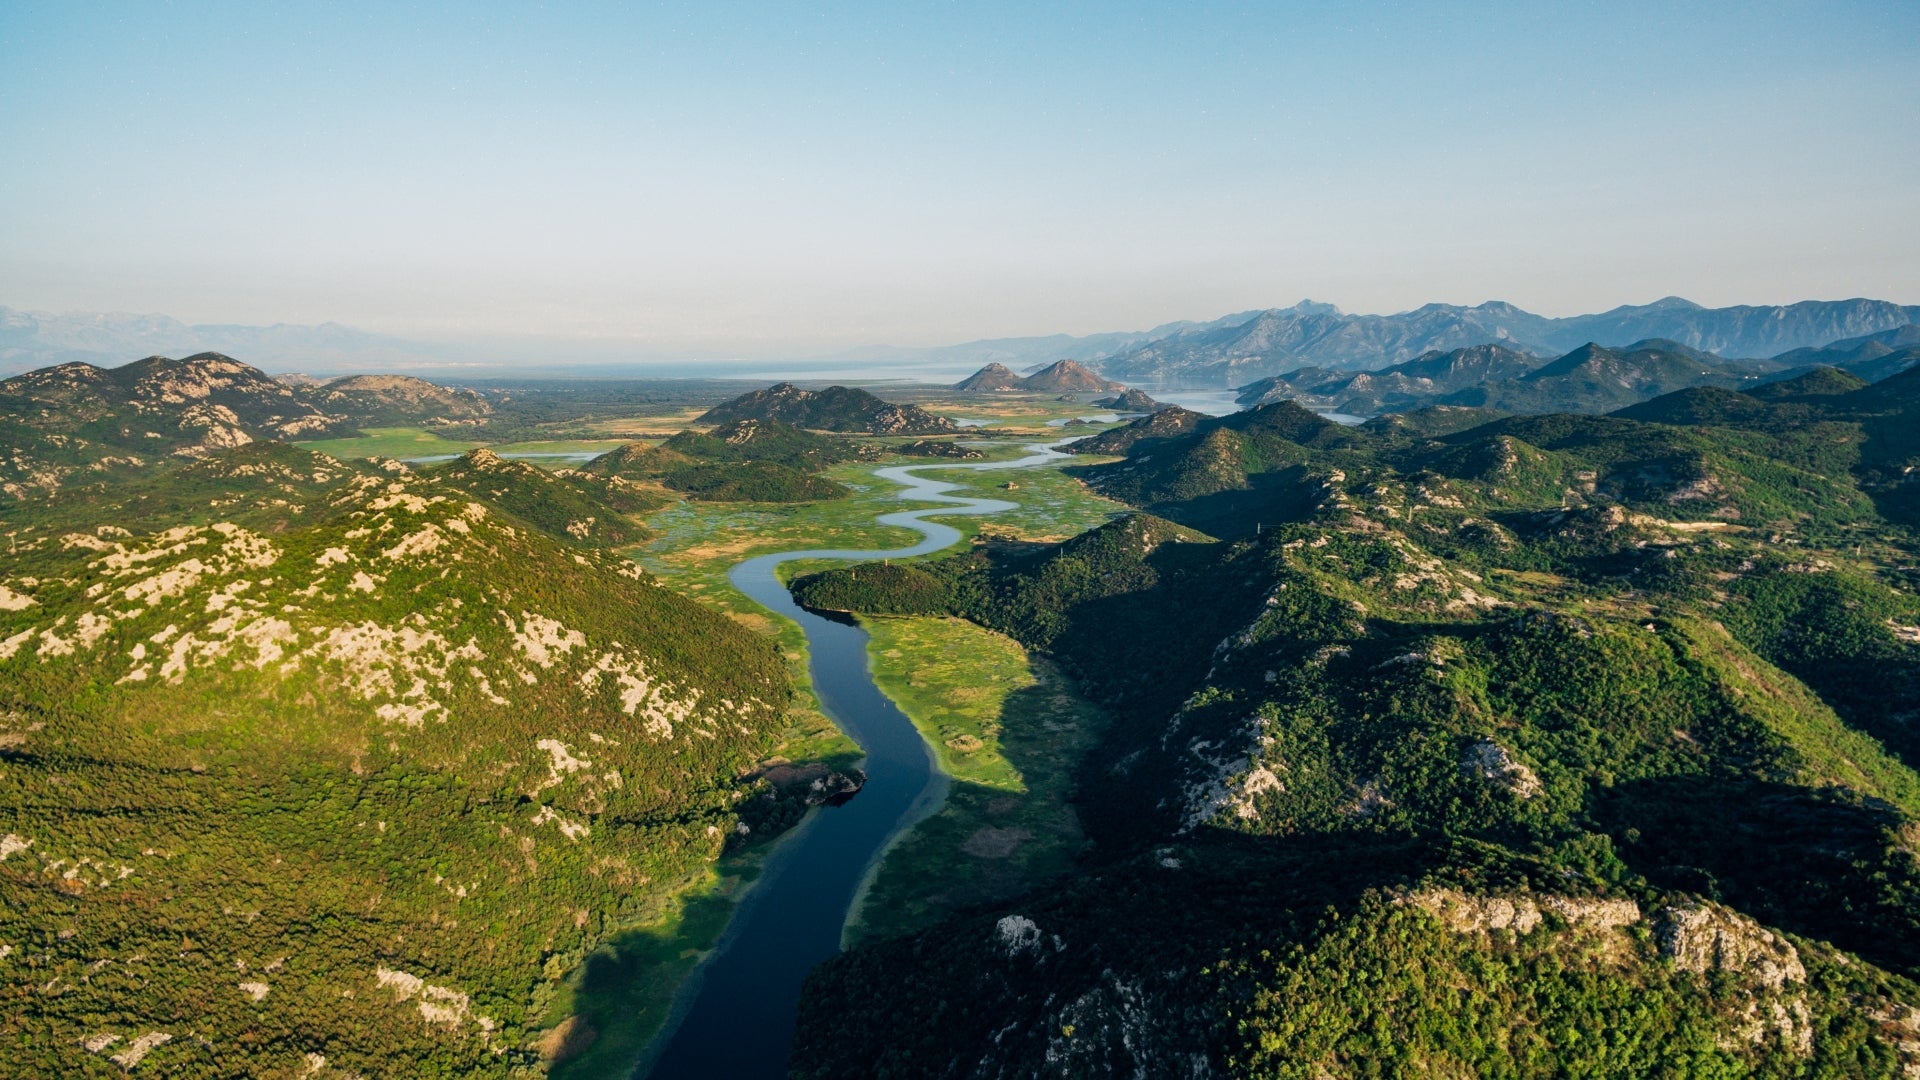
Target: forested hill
836, 408
309, 768
1551, 745
77, 423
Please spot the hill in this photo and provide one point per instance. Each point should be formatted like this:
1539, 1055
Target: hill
1460, 731
837, 408
1423, 379
991, 377
399, 400
574, 508
1596, 379
75, 421
1131, 401
1162, 424
1067, 377
739, 461
308, 765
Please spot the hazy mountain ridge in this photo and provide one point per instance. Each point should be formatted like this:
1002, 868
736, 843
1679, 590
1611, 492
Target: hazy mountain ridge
1274, 342
30, 339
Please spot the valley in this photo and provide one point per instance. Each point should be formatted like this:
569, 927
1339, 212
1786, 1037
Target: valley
650, 728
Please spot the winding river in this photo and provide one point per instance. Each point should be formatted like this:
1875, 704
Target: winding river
735, 1016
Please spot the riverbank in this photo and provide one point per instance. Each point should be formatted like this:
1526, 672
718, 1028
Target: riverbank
650, 979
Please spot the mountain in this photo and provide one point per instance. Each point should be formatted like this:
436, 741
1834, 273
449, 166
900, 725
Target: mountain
1067, 377
309, 768
1028, 352
1596, 379
1872, 357
837, 408
1431, 737
1131, 401
991, 377
1060, 377
1734, 331
1426, 377
1274, 342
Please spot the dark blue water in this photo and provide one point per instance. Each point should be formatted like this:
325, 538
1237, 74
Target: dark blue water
736, 1016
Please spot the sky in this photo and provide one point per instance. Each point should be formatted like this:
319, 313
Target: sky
720, 179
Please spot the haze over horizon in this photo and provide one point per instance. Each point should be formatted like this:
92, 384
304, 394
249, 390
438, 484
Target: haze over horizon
756, 180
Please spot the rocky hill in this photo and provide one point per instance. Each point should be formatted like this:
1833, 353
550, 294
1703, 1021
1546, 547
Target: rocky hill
991, 377
1131, 401
1067, 377
394, 400
836, 408
76, 422
1458, 732
311, 768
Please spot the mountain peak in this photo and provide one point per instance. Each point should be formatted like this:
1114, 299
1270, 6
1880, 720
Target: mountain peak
1067, 376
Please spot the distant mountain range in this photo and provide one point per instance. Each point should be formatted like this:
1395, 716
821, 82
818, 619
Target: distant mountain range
1589, 379
1284, 339
1231, 350
31, 339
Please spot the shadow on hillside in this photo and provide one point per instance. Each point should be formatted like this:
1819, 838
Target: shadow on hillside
988, 845
1816, 863
1273, 498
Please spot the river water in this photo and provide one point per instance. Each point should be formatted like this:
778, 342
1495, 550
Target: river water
735, 1016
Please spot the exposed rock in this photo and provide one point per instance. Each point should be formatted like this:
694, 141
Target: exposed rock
1492, 762
1708, 937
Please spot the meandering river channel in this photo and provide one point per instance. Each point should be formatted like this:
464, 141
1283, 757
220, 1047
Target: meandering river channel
735, 1016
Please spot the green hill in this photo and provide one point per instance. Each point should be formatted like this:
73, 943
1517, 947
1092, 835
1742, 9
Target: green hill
1461, 742
748, 460
836, 408
307, 763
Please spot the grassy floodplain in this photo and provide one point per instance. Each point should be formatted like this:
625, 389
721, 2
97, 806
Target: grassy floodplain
1010, 730
1016, 782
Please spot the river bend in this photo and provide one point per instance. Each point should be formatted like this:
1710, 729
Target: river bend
735, 1016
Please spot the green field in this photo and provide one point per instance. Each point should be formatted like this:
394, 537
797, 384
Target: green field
1010, 730
696, 545
413, 442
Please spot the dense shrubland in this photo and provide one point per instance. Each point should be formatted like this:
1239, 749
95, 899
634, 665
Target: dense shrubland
1557, 745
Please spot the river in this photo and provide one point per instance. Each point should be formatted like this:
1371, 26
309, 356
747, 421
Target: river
735, 1016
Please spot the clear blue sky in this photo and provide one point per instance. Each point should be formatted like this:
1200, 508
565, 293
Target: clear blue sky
754, 178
